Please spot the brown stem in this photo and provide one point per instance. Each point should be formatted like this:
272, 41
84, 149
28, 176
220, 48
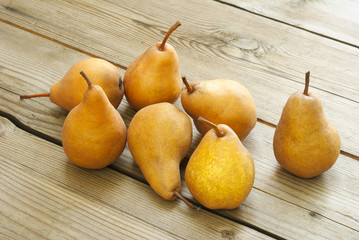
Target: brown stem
86, 78
35, 95
214, 126
189, 204
162, 46
306, 83
189, 88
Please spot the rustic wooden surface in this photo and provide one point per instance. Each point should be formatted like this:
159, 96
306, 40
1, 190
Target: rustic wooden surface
266, 46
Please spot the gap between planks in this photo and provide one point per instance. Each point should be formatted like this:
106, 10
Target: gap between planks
89, 54
235, 220
286, 23
58, 42
26, 128
341, 151
32, 131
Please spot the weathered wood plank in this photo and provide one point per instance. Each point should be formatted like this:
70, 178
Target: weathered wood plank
268, 57
278, 201
36, 207
335, 19
43, 196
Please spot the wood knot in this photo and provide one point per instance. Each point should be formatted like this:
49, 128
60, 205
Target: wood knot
227, 234
246, 44
312, 213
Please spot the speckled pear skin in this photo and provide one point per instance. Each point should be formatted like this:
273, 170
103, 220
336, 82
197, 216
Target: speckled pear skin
305, 142
220, 173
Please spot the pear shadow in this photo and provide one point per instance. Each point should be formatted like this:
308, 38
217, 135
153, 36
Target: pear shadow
126, 111
279, 172
97, 183
312, 190
127, 165
196, 139
57, 112
103, 184
250, 142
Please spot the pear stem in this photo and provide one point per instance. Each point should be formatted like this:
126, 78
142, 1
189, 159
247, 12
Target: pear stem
35, 95
189, 88
188, 203
162, 46
214, 126
86, 78
307, 75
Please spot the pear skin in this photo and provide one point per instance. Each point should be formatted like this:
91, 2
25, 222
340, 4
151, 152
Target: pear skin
69, 91
94, 133
159, 136
154, 76
305, 142
220, 173
220, 101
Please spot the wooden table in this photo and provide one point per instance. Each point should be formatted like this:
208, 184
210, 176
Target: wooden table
266, 45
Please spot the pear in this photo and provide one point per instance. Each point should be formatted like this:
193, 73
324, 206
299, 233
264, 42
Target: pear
69, 91
220, 172
221, 101
93, 134
154, 77
305, 143
159, 136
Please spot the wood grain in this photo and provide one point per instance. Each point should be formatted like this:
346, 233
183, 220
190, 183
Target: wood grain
278, 201
320, 208
44, 196
36, 207
334, 19
268, 57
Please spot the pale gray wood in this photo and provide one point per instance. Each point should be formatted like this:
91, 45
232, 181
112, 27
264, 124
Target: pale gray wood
34, 206
268, 57
44, 196
257, 209
334, 19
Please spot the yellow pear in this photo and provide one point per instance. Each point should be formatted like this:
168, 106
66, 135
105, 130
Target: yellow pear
159, 136
220, 172
93, 134
154, 77
69, 91
221, 101
305, 143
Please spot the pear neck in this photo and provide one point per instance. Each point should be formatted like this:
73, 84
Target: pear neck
94, 95
95, 100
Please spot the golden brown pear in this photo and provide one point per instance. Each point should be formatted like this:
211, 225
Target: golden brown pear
220, 172
305, 142
220, 101
93, 134
69, 91
154, 77
159, 136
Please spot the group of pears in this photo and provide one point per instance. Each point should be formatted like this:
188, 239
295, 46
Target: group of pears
220, 172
